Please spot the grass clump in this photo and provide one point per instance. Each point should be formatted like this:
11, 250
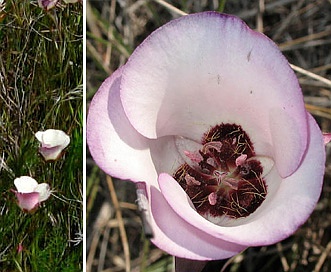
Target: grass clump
41, 63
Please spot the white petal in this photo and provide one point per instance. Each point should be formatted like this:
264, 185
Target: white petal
53, 137
44, 191
25, 184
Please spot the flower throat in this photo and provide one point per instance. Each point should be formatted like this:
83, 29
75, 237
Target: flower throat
224, 177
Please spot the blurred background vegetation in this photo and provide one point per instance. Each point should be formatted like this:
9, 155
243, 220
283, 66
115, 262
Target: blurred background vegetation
302, 29
41, 64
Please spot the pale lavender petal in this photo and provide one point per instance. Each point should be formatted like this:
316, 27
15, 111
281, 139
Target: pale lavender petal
50, 153
182, 239
115, 145
27, 201
47, 4
229, 74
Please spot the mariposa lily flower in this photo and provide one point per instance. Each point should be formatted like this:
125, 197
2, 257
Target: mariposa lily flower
52, 143
208, 114
20, 247
47, 4
327, 137
29, 193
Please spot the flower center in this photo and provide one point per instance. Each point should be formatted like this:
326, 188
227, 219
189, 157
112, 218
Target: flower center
224, 177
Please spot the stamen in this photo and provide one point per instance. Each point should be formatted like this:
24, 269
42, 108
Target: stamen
212, 198
241, 159
209, 147
194, 157
191, 180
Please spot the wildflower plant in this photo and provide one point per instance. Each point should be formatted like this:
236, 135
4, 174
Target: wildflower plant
220, 158
159, 109
52, 143
41, 88
29, 193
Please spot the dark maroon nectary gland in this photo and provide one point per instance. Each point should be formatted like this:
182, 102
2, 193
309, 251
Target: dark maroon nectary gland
216, 184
